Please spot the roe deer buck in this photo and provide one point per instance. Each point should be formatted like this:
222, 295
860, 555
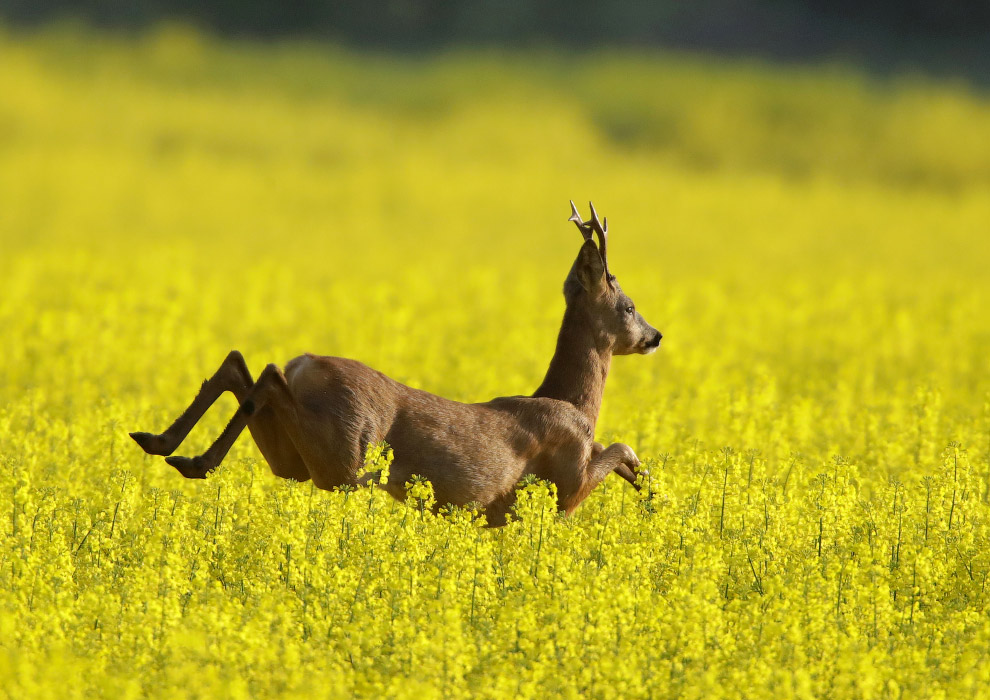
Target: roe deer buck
315, 420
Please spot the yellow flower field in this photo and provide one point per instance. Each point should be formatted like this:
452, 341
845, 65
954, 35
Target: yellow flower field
812, 242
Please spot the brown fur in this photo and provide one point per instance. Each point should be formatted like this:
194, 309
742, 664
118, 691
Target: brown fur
315, 420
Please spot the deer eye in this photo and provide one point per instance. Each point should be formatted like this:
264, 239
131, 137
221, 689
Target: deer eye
629, 309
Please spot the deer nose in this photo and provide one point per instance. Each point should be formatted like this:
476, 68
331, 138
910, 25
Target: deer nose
655, 342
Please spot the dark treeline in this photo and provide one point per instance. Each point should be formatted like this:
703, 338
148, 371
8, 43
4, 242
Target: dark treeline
952, 30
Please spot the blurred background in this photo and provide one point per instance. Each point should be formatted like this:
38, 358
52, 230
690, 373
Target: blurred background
949, 36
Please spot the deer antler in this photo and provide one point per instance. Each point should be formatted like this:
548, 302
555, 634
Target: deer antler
584, 228
600, 228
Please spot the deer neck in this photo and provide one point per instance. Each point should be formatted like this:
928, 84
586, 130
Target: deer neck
579, 367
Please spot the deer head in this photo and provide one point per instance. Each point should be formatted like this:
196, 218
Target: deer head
593, 292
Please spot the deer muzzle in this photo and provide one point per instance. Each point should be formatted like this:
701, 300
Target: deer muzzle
650, 344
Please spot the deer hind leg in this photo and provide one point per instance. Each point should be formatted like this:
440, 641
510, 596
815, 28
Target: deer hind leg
271, 392
269, 434
617, 457
232, 375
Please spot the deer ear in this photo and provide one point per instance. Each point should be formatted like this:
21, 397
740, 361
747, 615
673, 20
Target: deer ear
590, 268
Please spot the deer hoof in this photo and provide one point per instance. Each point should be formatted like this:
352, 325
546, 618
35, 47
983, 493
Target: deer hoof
629, 457
189, 467
152, 444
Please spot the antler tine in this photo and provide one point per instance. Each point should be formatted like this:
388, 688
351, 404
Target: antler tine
601, 229
584, 228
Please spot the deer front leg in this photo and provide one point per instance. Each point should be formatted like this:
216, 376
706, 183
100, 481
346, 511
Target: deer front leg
612, 458
621, 470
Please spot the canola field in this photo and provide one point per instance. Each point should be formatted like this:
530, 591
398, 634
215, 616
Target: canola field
812, 242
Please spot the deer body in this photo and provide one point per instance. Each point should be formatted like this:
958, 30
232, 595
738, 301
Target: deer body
471, 453
316, 419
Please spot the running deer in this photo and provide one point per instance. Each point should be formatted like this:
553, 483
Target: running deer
316, 419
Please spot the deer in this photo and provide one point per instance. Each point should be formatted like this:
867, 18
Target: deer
316, 419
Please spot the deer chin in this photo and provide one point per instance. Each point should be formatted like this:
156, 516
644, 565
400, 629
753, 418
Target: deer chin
645, 349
